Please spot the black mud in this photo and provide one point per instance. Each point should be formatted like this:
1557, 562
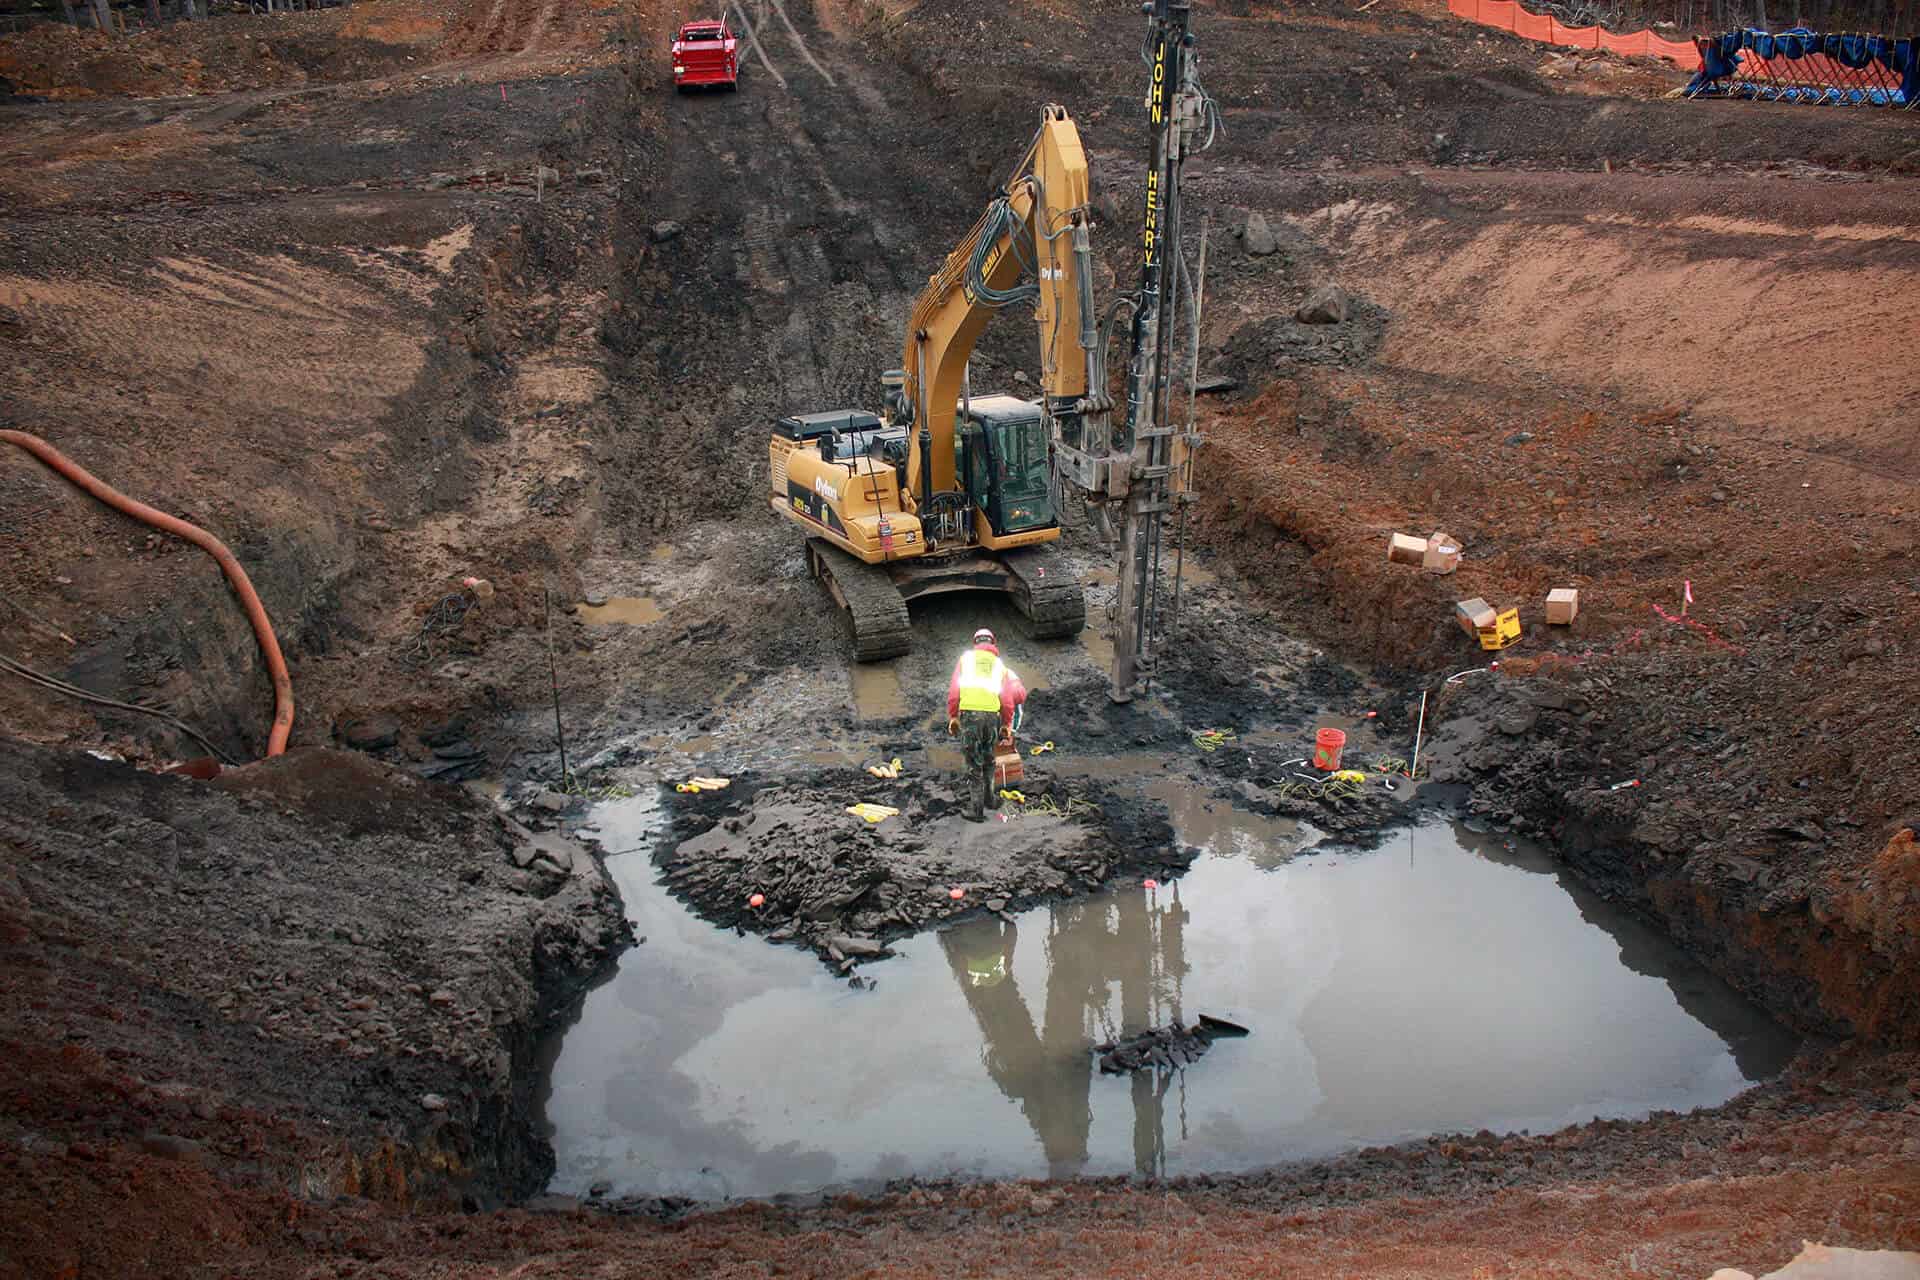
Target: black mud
844, 887
319, 939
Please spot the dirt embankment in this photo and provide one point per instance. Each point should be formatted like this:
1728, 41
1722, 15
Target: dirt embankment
227, 53
1767, 726
1820, 1155
314, 978
367, 40
377, 378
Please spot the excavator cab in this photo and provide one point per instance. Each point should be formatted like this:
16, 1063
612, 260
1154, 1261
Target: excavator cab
1003, 440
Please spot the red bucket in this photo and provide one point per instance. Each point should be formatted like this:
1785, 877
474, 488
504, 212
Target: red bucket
1327, 745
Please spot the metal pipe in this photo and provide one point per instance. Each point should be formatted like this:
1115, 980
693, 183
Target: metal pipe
1083, 267
966, 407
1198, 296
1414, 773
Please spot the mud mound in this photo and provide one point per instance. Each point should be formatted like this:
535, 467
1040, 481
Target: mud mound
842, 886
1279, 782
1260, 348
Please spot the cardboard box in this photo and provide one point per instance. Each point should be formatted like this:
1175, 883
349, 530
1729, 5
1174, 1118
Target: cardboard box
1474, 616
1442, 554
1402, 549
1563, 606
1008, 768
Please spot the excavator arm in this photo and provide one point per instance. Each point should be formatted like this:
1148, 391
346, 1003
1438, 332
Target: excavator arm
1036, 225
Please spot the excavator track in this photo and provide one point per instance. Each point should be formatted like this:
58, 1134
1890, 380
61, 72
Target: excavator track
1049, 593
874, 609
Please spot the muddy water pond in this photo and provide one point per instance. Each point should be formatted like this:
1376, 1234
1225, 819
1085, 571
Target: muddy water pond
632, 611
1444, 981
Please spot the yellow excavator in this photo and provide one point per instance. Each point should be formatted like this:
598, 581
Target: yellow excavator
948, 491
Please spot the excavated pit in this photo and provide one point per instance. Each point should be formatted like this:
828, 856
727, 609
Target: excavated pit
1442, 981
395, 357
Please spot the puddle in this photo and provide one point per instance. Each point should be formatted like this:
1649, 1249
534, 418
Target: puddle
1099, 646
633, 611
833, 757
1191, 575
877, 691
493, 790
1441, 983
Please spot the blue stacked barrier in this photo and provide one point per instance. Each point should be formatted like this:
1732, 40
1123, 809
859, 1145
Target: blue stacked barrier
1811, 68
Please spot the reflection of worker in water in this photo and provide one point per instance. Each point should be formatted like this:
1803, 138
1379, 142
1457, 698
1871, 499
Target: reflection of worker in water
982, 697
1049, 1072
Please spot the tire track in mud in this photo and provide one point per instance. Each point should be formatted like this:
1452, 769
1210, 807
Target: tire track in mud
511, 26
807, 220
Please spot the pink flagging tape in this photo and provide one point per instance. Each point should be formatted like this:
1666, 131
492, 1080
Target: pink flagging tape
1694, 625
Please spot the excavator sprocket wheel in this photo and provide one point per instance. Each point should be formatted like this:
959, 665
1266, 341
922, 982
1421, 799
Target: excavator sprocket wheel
871, 604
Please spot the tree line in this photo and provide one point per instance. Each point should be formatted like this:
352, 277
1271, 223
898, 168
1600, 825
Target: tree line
1880, 17
114, 15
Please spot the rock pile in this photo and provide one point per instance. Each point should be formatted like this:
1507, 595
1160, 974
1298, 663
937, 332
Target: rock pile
1164, 1048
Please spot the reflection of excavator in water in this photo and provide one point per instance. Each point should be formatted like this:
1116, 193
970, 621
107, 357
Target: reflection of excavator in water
1048, 1068
947, 491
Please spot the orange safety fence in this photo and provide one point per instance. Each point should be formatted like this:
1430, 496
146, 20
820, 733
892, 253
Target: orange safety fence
1507, 15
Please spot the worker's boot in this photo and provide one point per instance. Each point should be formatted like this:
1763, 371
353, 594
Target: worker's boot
970, 806
992, 796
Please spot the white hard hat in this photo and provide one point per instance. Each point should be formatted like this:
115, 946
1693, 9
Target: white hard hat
983, 635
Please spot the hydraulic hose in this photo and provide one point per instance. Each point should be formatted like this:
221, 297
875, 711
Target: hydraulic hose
237, 576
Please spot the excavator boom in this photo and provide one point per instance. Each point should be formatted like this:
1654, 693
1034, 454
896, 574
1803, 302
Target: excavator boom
1029, 228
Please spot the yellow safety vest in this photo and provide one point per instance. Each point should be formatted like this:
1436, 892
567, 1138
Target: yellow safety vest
987, 970
981, 675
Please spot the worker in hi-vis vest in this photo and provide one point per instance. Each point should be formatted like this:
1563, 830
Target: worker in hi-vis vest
981, 700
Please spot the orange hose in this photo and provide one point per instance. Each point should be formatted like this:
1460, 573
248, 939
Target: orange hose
249, 600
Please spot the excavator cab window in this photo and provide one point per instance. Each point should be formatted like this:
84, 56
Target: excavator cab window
1020, 455
1002, 454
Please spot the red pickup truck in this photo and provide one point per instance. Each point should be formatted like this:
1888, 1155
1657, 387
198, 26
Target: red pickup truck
706, 52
